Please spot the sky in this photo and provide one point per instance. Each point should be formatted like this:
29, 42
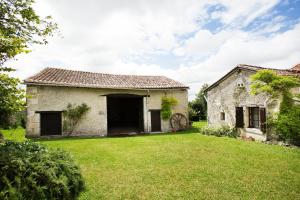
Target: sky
192, 41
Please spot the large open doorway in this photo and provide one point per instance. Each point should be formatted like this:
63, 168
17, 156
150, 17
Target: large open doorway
124, 114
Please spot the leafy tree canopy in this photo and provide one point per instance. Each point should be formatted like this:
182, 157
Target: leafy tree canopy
267, 81
11, 95
198, 107
20, 27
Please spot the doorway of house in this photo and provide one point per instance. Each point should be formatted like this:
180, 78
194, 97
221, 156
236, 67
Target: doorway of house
124, 114
155, 121
51, 123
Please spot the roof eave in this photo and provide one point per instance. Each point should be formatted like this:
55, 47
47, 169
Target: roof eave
26, 82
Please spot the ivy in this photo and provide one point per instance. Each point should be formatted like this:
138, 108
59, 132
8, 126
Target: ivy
72, 115
167, 103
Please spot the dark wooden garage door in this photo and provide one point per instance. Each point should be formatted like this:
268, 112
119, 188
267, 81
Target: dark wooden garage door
50, 123
155, 121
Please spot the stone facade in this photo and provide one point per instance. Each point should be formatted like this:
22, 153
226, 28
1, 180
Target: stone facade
53, 98
232, 92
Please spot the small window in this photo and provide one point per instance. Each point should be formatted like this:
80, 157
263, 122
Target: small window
240, 85
253, 117
222, 116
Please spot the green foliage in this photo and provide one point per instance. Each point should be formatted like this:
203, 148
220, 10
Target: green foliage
268, 82
11, 98
287, 121
166, 106
287, 125
193, 116
174, 164
287, 103
29, 170
20, 27
73, 115
1, 137
198, 106
224, 130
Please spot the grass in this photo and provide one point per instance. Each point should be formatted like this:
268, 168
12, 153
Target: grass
17, 134
199, 124
183, 166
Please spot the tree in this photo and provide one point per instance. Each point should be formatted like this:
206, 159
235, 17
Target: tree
286, 122
11, 98
198, 106
20, 27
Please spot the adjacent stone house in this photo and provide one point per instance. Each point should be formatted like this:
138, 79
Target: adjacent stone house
118, 103
229, 102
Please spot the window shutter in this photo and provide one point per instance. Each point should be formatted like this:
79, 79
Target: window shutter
239, 117
250, 118
262, 116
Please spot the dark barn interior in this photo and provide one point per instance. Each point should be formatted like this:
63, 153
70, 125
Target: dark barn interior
124, 114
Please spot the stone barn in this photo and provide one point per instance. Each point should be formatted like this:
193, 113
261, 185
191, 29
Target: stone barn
119, 104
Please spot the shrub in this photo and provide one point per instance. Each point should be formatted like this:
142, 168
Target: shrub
193, 116
12, 120
220, 131
1, 137
29, 170
287, 125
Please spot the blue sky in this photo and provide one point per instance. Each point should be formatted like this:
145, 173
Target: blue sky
192, 41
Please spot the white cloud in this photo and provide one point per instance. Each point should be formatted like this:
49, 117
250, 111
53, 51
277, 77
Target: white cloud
279, 51
110, 36
240, 14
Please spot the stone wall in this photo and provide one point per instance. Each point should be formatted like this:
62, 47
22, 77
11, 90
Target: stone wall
47, 98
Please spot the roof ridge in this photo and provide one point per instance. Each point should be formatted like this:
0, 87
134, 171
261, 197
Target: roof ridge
261, 67
72, 70
65, 77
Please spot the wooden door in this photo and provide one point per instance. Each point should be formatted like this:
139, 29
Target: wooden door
155, 121
239, 117
263, 119
51, 123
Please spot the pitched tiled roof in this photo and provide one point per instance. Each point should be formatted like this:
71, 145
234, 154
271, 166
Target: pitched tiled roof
278, 71
296, 68
71, 78
286, 72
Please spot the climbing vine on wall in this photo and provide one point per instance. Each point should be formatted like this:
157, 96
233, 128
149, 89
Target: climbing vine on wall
167, 103
72, 115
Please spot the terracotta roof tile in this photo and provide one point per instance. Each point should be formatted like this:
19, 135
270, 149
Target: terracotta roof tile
291, 71
296, 68
71, 78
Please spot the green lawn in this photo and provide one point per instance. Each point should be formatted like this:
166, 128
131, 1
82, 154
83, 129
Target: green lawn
184, 166
14, 134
